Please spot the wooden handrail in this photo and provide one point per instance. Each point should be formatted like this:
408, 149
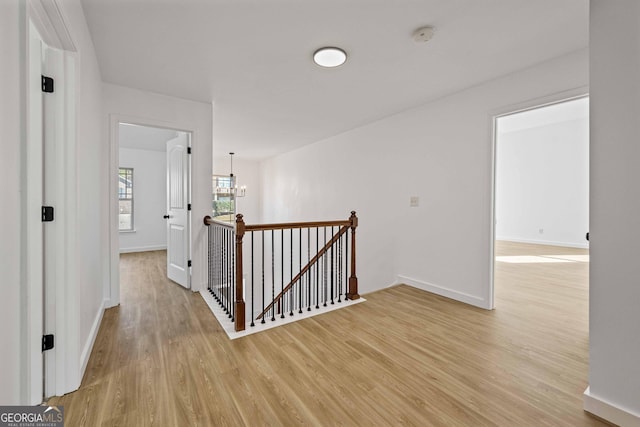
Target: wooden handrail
210, 221
241, 228
295, 225
306, 268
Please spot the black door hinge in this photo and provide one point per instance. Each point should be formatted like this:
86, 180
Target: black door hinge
47, 213
189, 206
47, 84
47, 342
188, 150
189, 263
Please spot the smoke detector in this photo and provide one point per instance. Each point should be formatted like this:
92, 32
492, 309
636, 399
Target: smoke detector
423, 34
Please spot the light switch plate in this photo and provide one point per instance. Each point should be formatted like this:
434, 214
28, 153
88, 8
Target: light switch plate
414, 201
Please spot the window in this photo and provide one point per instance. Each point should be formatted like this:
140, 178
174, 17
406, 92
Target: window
224, 198
125, 196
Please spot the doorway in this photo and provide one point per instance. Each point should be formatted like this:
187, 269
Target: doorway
153, 195
541, 194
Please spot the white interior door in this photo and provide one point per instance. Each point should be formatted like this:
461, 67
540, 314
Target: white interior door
178, 210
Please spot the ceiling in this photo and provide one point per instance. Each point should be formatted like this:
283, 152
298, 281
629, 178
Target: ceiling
252, 58
144, 137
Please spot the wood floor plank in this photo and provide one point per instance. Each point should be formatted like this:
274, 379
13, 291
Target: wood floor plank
404, 357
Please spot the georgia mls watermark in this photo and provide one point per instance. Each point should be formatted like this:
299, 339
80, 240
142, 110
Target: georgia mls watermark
31, 416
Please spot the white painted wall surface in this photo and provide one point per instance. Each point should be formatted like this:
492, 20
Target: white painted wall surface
440, 152
151, 109
92, 192
542, 183
247, 173
11, 104
614, 312
150, 200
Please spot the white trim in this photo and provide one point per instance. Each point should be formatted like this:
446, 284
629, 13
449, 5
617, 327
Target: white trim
143, 249
543, 101
445, 292
609, 411
542, 242
229, 327
32, 375
93, 333
490, 292
50, 22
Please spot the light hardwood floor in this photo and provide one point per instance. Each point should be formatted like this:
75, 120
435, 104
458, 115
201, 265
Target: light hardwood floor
404, 357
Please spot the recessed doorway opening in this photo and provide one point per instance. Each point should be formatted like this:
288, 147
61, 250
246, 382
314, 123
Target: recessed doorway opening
541, 210
153, 206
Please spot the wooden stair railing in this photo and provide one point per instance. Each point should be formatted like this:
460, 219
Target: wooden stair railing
306, 268
237, 312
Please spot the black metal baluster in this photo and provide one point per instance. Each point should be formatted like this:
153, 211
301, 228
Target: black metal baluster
273, 278
291, 272
229, 273
218, 255
300, 268
282, 299
339, 274
216, 270
262, 274
223, 270
209, 259
232, 241
309, 270
332, 263
324, 270
252, 281
346, 263
317, 269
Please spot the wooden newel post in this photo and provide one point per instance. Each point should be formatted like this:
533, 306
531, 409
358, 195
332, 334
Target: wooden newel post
240, 317
353, 279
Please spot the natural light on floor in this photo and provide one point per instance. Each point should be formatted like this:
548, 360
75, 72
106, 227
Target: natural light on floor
530, 259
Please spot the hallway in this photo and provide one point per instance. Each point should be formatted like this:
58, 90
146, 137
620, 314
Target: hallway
406, 356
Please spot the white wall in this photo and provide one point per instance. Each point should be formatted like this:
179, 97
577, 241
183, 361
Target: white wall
542, 183
135, 106
614, 312
150, 199
91, 227
441, 152
92, 190
247, 173
11, 113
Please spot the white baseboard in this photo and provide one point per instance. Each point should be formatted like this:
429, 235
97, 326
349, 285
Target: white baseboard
545, 242
93, 333
608, 411
143, 249
445, 292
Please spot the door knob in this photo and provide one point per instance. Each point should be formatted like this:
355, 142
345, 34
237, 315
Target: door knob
166, 217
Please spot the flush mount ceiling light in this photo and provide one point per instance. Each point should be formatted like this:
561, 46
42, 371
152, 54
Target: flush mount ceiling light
329, 57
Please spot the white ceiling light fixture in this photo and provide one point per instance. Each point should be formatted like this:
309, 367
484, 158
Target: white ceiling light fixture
330, 57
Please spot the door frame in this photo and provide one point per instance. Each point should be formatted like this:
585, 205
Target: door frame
63, 375
556, 98
112, 292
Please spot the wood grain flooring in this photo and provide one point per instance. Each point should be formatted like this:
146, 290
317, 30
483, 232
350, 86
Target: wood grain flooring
404, 357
